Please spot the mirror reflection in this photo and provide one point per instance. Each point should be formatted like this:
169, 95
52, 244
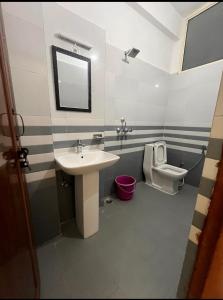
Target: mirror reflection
72, 80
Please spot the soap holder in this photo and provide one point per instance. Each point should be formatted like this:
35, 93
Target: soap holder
98, 136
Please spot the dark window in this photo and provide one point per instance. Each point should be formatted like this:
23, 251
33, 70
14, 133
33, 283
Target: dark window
204, 40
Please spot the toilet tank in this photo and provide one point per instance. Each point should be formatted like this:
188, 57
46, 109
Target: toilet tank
160, 153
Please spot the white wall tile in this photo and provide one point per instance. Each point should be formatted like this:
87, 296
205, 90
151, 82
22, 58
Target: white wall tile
194, 234
31, 93
61, 151
74, 136
185, 149
210, 168
36, 140
193, 95
131, 92
36, 120
26, 44
187, 132
41, 175
28, 11
186, 141
135, 132
132, 141
40, 158
202, 204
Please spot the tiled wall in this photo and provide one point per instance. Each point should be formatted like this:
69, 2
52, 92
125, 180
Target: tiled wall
204, 195
131, 151
184, 147
131, 93
26, 45
189, 112
41, 179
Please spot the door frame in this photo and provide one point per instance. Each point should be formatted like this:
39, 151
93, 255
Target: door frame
10, 106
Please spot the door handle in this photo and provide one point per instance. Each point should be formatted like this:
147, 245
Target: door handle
4, 132
22, 156
23, 126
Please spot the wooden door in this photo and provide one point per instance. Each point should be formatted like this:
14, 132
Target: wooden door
18, 264
213, 284
213, 287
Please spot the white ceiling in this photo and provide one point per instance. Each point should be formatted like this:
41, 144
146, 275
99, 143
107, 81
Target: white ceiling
187, 8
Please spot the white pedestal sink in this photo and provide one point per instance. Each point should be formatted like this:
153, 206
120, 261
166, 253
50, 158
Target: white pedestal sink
86, 166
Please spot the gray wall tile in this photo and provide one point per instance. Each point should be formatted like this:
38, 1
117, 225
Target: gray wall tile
66, 196
132, 137
37, 149
73, 129
177, 157
129, 164
37, 130
206, 187
198, 220
44, 209
188, 128
41, 167
215, 148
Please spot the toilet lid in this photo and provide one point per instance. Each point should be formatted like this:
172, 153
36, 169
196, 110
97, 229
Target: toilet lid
160, 157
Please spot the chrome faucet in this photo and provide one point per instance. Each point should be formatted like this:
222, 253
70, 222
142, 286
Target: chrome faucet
123, 130
79, 146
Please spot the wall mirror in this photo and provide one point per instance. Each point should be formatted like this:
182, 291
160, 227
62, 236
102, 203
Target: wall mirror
72, 80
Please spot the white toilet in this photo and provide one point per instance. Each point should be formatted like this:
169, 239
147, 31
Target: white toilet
157, 172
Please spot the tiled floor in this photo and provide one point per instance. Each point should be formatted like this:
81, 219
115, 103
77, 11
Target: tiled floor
137, 253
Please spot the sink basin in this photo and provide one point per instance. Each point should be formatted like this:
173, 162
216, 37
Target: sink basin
86, 162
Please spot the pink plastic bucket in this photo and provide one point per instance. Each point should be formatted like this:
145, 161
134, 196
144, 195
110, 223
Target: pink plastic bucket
125, 187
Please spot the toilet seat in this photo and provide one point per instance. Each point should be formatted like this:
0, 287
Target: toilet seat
160, 153
171, 171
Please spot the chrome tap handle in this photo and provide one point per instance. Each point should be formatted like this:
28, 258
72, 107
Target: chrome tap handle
79, 145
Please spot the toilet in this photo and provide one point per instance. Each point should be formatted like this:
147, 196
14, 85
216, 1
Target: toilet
158, 173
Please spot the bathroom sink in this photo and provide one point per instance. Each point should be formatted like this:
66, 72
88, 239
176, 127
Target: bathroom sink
85, 166
88, 161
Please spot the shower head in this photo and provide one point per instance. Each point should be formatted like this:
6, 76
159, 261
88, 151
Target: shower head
131, 53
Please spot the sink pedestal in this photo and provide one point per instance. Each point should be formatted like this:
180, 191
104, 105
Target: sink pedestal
87, 203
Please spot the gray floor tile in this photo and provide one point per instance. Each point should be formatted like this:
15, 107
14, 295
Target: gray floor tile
137, 253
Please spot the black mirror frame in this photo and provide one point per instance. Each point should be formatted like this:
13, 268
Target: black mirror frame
56, 85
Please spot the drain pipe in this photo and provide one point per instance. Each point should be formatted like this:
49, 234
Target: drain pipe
203, 148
